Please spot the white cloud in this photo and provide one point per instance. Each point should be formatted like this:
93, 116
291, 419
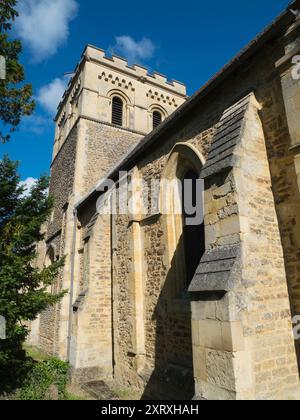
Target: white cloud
28, 184
134, 51
49, 96
36, 124
43, 25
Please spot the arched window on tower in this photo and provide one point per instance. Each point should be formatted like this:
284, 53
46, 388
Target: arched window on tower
117, 111
157, 119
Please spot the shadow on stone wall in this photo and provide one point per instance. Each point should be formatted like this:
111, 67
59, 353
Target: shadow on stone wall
172, 377
285, 192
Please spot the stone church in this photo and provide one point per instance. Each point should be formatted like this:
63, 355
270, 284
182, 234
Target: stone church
172, 310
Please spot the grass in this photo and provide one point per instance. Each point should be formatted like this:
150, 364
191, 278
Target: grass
74, 392
47, 371
126, 394
35, 354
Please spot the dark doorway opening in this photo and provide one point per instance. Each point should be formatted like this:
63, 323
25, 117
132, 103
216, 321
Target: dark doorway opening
193, 223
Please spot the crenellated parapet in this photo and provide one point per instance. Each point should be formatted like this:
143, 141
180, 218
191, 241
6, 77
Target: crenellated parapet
138, 72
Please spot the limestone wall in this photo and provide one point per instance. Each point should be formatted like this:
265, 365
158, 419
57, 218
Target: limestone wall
244, 265
49, 319
130, 318
167, 368
103, 79
91, 343
105, 147
61, 189
271, 198
87, 146
62, 181
98, 79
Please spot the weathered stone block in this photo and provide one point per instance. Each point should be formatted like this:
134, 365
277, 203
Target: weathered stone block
222, 191
207, 333
199, 358
220, 369
232, 336
230, 226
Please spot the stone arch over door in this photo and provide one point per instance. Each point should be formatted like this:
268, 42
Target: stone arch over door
183, 159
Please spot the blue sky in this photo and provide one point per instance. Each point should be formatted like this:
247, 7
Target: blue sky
188, 41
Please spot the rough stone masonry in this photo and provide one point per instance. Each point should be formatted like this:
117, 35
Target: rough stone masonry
139, 311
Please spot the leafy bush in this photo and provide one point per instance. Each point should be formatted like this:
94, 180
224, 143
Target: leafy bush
13, 374
24, 288
46, 380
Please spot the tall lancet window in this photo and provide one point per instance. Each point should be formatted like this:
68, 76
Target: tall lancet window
117, 111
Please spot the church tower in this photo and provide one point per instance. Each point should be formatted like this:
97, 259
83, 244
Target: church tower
106, 110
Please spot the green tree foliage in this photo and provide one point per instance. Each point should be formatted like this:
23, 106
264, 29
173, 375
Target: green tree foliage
41, 377
24, 289
15, 97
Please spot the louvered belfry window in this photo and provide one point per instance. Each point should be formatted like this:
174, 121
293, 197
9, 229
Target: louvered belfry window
117, 111
157, 119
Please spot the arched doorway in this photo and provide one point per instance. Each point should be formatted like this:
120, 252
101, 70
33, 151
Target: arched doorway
181, 208
193, 232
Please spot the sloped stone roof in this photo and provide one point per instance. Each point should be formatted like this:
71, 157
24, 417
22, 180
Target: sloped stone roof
227, 137
215, 271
